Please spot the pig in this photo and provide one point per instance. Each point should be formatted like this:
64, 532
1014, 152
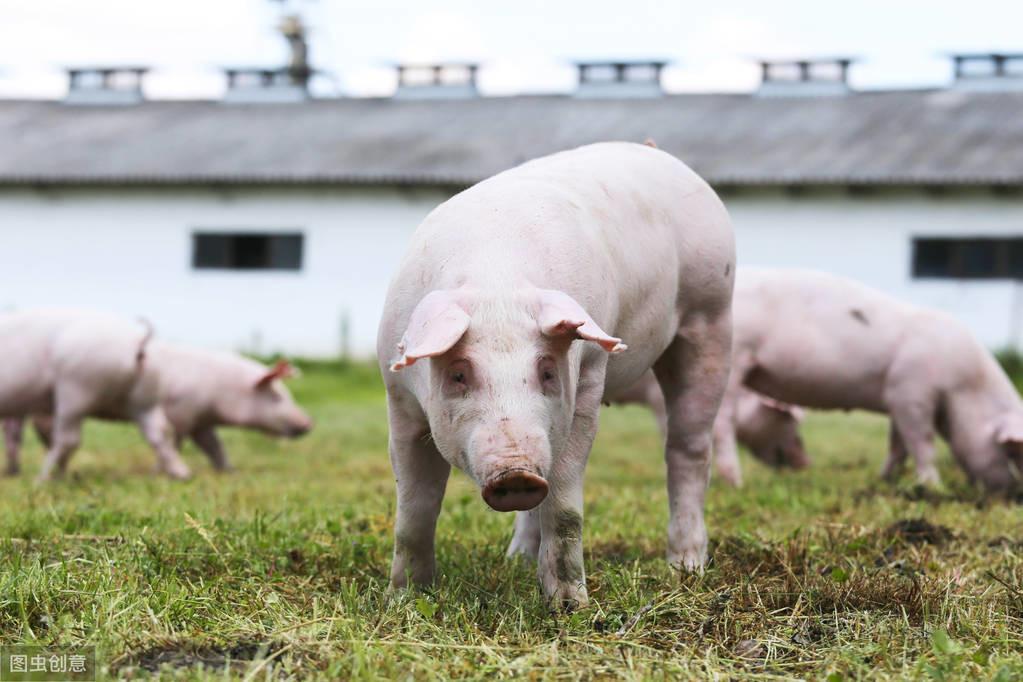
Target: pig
824, 341
78, 364
503, 330
767, 427
200, 390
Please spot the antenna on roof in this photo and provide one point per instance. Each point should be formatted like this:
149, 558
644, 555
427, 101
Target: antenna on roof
289, 83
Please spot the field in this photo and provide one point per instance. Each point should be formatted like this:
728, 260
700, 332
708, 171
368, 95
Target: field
279, 570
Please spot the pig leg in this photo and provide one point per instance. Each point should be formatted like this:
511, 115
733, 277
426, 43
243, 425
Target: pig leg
12, 444
421, 476
43, 426
207, 440
560, 557
915, 424
693, 372
896, 454
67, 434
726, 447
157, 431
525, 541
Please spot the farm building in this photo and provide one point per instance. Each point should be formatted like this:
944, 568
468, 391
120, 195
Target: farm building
271, 221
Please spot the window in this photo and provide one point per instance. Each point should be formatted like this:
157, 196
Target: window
983, 258
247, 250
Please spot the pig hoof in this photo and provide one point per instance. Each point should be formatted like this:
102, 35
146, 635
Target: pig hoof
689, 560
731, 476
179, 473
526, 550
929, 478
568, 598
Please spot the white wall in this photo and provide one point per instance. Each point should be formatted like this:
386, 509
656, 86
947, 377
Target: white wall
870, 237
129, 251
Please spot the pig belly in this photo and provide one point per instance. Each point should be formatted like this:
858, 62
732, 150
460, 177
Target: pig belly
822, 388
21, 400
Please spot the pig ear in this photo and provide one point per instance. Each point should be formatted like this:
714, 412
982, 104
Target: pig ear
561, 316
437, 323
281, 370
793, 411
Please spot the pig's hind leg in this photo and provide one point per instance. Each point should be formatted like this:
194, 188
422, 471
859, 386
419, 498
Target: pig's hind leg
693, 373
156, 429
12, 444
525, 541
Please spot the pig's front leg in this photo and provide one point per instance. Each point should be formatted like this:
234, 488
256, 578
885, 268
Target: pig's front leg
896, 460
208, 441
420, 476
915, 424
693, 372
12, 444
560, 559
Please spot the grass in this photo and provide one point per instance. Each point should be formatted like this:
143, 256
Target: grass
279, 570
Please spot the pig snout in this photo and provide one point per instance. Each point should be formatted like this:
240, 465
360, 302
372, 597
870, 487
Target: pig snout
299, 426
796, 456
514, 490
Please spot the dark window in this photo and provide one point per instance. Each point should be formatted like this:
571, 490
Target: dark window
985, 258
247, 251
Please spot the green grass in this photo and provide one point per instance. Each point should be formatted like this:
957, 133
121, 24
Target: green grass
280, 569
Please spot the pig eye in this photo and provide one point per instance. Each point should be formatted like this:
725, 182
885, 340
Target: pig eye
459, 375
547, 373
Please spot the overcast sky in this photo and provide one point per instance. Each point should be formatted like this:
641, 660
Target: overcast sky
524, 43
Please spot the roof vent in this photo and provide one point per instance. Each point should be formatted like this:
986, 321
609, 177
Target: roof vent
105, 85
619, 79
804, 77
248, 85
448, 80
988, 72
287, 84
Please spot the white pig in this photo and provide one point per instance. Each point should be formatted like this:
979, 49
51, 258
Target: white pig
76, 364
200, 390
503, 330
769, 428
828, 342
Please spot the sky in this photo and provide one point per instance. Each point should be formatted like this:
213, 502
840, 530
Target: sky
525, 45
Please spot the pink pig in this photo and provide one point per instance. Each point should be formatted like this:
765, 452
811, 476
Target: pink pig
195, 390
74, 365
769, 428
823, 341
503, 331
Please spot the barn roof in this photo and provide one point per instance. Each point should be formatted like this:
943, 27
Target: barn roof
922, 137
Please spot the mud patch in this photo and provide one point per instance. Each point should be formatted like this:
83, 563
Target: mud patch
568, 527
236, 657
919, 532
